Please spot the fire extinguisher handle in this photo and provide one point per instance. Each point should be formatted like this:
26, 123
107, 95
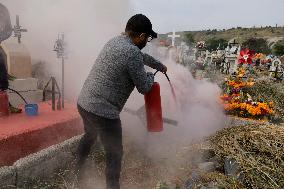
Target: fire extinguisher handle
155, 72
165, 75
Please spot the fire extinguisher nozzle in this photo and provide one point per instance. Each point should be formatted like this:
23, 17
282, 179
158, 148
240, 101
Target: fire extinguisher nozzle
167, 77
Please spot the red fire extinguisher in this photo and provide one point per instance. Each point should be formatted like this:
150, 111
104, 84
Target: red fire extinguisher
4, 104
154, 109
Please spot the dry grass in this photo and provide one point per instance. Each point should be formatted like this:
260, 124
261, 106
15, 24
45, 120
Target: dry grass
138, 171
259, 151
267, 90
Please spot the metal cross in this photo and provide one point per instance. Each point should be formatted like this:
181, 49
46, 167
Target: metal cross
17, 29
59, 48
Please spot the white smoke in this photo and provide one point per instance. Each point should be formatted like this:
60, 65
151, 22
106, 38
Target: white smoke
197, 111
87, 25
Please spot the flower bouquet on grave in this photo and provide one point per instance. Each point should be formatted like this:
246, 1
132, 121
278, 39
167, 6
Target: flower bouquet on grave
267, 60
245, 57
236, 105
248, 109
259, 56
237, 102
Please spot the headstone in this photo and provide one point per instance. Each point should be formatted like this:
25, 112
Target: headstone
231, 167
276, 69
18, 59
232, 60
18, 62
183, 54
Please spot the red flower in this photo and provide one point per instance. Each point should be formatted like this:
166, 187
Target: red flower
245, 56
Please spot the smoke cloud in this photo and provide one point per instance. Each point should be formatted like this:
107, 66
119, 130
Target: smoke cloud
87, 25
197, 111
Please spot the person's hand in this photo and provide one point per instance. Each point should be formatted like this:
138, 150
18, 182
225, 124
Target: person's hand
164, 69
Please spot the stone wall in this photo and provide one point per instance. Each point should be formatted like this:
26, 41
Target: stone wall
40, 165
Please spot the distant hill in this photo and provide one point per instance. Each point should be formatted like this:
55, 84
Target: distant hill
272, 34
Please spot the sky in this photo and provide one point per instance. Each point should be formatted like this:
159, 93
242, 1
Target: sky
183, 15
89, 24
186, 15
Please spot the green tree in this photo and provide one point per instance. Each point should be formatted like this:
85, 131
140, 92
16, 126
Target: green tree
278, 49
189, 38
258, 45
214, 43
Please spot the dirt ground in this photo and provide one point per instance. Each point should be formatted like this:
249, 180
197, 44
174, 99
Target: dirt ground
138, 171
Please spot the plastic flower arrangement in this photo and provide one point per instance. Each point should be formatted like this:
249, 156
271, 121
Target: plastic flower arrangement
259, 56
238, 103
240, 84
245, 56
241, 72
249, 110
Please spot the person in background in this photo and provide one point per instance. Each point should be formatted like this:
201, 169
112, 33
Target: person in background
118, 69
5, 33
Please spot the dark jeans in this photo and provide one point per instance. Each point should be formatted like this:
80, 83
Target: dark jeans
110, 133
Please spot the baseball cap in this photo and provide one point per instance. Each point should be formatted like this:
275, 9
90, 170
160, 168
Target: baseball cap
140, 23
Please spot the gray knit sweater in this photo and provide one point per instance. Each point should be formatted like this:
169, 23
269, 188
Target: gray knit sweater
117, 70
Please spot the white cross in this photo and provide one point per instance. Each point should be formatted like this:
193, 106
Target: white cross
173, 36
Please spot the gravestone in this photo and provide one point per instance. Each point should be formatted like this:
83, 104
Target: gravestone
232, 59
18, 60
183, 54
18, 63
276, 69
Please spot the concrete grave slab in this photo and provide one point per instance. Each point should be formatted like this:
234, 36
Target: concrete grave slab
28, 84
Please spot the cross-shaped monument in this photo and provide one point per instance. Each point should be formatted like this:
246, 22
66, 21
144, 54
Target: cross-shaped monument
234, 43
17, 29
173, 36
60, 49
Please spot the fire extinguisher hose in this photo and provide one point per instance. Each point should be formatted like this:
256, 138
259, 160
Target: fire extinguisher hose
19, 95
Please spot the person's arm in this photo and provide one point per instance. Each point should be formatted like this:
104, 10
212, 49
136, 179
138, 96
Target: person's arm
153, 63
142, 80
